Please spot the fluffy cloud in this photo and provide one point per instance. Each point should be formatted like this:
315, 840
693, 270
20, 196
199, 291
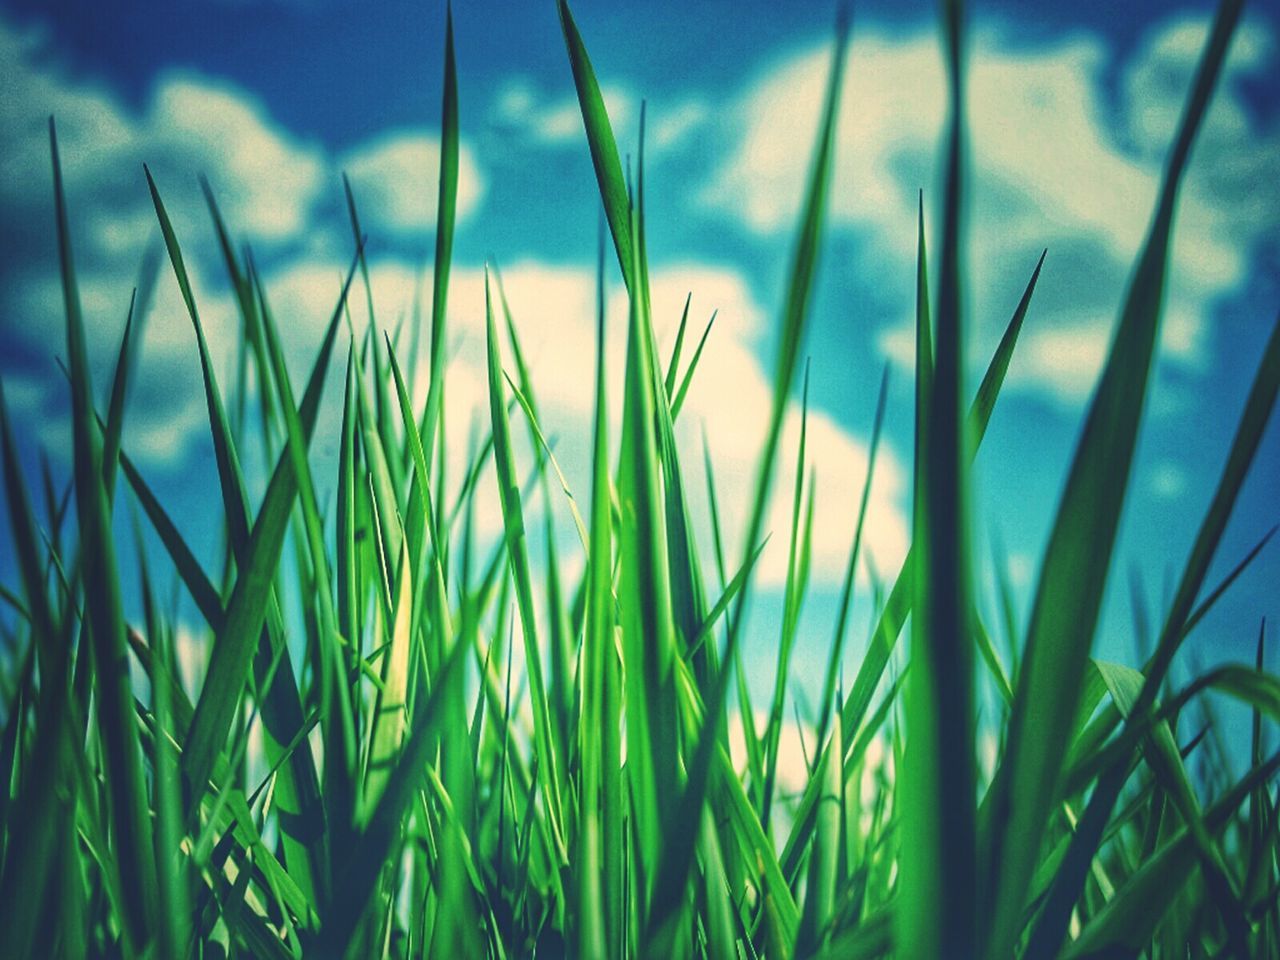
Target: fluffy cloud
557, 120
395, 180
271, 186
554, 312
1051, 166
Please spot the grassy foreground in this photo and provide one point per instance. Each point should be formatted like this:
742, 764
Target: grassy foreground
425, 798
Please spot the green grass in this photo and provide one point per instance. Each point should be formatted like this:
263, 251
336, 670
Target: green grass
415, 807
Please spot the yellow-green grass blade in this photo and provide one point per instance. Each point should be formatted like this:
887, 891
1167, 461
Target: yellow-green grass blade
1161, 751
540, 440
459, 776
836, 653
678, 403
298, 439
644, 596
790, 616
172, 892
600, 819
518, 558
820, 890
122, 758
341, 745
793, 321
673, 366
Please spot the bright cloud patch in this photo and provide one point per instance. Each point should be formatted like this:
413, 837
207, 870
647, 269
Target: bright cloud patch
271, 188
557, 119
396, 177
1051, 167
554, 312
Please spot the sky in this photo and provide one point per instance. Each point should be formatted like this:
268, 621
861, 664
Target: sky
1072, 107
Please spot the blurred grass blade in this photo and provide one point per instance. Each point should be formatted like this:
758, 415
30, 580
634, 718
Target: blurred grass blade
1074, 569
937, 903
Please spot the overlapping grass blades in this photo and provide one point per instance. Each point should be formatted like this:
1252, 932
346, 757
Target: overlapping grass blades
468, 750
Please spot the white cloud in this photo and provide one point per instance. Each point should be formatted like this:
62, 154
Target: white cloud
1050, 167
269, 185
557, 119
395, 178
554, 311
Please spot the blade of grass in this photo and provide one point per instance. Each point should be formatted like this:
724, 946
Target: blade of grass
122, 757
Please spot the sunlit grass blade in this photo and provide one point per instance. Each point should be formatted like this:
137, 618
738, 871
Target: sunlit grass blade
600, 821
678, 403
518, 558
793, 321
669, 382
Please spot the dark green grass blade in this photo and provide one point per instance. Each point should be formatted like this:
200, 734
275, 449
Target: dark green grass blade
197, 582
229, 473
115, 406
29, 851
122, 757
604, 149
898, 606
446, 212
1060, 632
1257, 412
937, 900
247, 606
1127, 923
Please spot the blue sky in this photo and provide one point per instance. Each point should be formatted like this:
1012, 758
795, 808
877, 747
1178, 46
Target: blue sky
1072, 107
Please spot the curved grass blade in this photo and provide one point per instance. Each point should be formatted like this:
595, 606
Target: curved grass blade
604, 149
247, 607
